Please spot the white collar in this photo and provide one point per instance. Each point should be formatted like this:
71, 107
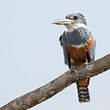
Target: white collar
75, 26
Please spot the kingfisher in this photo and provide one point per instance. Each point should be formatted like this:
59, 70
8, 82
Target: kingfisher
78, 47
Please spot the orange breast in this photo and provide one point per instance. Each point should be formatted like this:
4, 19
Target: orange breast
78, 55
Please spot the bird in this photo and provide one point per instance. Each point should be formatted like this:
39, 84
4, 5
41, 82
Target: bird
78, 46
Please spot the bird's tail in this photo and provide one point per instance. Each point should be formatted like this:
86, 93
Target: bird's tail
83, 92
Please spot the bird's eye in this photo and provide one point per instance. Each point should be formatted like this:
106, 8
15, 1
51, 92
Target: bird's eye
75, 17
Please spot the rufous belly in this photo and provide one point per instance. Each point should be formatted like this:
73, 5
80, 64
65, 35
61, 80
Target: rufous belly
78, 55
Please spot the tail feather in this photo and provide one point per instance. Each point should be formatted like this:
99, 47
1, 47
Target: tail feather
83, 93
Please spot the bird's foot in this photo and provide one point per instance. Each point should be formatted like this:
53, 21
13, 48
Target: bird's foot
73, 68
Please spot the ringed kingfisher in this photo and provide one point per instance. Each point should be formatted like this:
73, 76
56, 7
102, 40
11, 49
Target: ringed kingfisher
78, 48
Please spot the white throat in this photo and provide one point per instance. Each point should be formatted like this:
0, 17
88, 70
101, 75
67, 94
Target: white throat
70, 28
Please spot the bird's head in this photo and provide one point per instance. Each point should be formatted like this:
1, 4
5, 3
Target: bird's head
72, 20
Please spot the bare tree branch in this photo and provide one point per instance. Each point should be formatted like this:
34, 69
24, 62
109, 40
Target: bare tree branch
47, 91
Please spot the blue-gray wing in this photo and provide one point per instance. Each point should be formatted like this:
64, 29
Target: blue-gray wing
77, 37
63, 42
91, 52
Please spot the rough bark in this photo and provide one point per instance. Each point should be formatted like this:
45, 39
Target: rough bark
47, 91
